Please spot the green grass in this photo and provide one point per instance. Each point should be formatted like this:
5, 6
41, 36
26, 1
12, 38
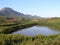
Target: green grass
9, 28
16, 39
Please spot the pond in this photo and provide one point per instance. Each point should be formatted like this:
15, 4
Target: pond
36, 30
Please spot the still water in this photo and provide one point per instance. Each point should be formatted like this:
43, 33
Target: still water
36, 30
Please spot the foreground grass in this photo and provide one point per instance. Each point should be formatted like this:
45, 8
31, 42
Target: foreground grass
16, 39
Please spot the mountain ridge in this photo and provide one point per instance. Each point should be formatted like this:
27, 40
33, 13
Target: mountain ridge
9, 12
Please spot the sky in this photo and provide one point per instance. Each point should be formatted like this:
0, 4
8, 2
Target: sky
42, 8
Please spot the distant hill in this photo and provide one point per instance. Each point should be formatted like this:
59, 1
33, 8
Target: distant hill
9, 12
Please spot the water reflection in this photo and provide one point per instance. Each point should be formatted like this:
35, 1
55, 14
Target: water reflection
35, 30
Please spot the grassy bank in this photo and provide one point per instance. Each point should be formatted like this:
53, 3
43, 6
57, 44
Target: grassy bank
11, 39
9, 28
52, 23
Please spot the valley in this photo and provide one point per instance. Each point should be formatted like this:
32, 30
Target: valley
12, 21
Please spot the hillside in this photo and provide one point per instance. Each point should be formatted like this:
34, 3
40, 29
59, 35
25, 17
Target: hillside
9, 12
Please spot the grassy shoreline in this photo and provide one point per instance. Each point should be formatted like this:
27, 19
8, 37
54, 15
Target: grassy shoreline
6, 38
17, 39
9, 29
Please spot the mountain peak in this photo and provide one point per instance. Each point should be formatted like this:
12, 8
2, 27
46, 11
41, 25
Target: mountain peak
9, 12
6, 9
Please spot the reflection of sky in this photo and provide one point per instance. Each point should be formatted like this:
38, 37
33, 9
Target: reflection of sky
35, 30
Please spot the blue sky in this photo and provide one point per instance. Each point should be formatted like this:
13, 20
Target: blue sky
43, 8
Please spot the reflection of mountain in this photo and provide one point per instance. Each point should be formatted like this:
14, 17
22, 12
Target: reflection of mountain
8, 12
